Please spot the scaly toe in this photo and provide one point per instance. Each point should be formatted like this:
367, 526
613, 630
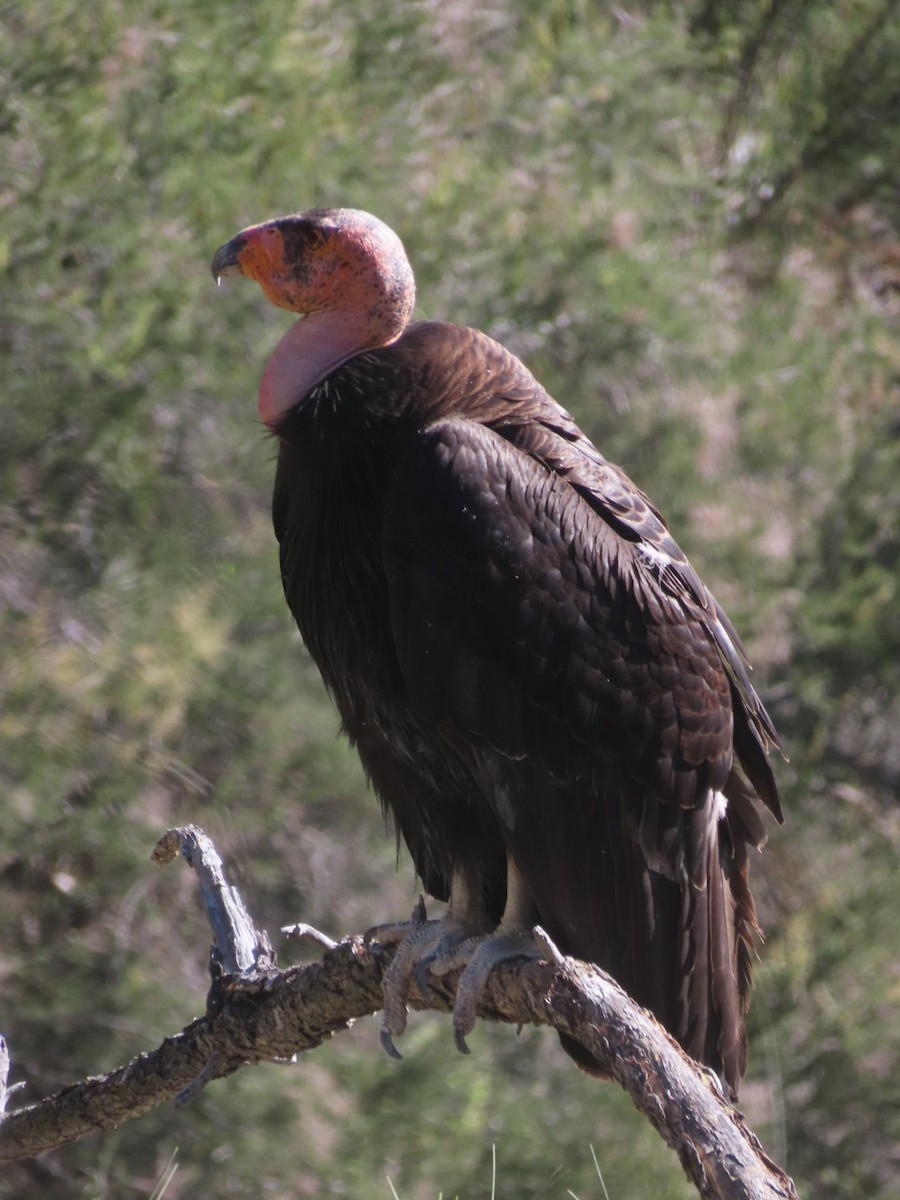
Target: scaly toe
396, 931
453, 951
438, 946
490, 953
417, 941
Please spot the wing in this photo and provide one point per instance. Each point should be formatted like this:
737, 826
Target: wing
540, 606
543, 614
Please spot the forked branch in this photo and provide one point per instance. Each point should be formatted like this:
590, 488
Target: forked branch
257, 1013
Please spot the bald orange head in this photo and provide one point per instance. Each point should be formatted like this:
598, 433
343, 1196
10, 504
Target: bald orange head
328, 260
344, 271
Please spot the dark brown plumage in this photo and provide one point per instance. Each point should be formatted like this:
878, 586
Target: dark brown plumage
539, 686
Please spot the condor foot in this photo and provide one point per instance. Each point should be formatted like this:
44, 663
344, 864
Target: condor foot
440, 946
489, 952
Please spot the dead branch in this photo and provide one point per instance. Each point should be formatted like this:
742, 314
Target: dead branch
257, 1013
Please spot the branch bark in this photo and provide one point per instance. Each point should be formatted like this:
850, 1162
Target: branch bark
257, 1013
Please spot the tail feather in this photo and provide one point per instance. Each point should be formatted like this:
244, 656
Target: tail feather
659, 899
705, 908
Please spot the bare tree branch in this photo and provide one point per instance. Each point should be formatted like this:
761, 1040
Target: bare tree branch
263, 1015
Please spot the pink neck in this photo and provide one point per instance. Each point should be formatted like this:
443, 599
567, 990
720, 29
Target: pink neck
309, 351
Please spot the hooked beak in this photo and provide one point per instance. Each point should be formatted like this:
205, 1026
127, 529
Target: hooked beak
226, 260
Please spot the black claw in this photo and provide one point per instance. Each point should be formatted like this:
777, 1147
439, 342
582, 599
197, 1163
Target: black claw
387, 1044
460, 1040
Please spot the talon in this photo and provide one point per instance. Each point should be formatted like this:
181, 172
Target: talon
464, 1016
428, 948
387, 1044
459, 1039
396, 989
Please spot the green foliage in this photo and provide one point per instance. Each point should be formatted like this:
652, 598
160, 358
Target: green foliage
684, 218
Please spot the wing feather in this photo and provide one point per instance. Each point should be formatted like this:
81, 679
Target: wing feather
544, 613
529, 664
519, 608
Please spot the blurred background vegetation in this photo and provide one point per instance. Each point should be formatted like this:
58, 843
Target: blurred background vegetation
684, 216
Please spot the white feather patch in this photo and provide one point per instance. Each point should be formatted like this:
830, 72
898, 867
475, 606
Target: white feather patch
719, 805
654, 557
